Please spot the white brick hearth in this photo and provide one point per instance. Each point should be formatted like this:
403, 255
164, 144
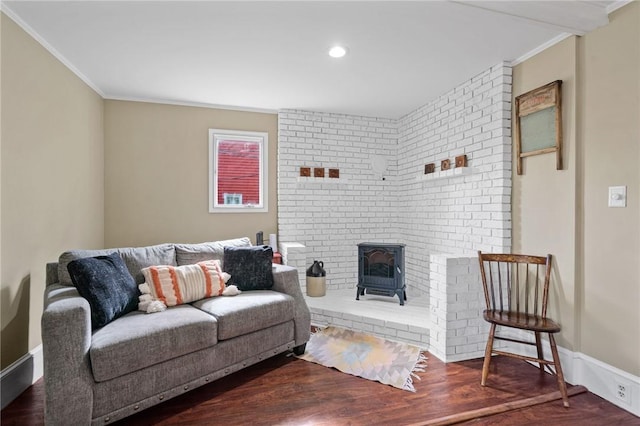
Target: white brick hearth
382, 195
448, 324
378, 315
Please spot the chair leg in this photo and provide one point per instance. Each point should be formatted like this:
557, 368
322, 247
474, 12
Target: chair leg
539, 348
487, 355
559, 376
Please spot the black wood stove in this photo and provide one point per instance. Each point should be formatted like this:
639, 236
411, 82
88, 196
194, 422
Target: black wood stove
381, 270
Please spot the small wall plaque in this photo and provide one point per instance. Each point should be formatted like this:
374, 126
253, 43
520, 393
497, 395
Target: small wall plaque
334, 173
318, 172
305, 171
445, 164
429, 168
461, 161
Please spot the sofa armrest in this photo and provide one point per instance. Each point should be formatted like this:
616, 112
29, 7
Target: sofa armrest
51, 273
66, 339
285, 280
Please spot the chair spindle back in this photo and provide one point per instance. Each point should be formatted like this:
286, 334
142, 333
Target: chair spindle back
516, 283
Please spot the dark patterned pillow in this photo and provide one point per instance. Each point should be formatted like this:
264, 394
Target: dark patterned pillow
107, 285
250, 267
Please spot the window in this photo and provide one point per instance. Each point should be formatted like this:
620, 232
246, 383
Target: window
237, 171
232, 198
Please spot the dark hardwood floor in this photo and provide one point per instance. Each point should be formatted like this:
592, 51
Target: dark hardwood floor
287, 391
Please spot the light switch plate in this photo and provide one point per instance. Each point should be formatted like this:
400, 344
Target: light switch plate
617, 196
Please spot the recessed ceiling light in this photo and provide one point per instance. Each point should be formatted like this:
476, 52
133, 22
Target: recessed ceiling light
337, 52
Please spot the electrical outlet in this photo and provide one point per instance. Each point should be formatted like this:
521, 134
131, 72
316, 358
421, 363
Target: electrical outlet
623, 392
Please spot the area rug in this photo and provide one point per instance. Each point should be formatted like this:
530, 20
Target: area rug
366, 356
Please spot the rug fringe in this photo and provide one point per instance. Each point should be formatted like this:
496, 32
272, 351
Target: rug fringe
420, 366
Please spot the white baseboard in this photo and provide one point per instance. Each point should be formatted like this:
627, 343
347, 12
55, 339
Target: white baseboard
579, 369
17, 377
600, 378
603, 379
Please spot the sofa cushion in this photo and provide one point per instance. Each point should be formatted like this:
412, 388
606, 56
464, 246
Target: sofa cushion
248, 312
135, 258
106, 284
250, 267
189, 254
175, 285
138, 340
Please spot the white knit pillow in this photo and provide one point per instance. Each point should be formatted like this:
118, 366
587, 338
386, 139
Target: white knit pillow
167, 285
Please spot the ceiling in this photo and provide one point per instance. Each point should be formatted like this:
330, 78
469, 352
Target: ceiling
267, 55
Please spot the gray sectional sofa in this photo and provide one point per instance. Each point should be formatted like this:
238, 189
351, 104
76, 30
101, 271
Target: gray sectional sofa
98, 376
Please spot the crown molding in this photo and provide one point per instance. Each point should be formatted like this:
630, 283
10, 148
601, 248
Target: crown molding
191, 104
617, 5
33, 33
540, 48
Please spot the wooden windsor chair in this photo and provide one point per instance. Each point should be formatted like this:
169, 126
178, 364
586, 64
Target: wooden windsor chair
516, 292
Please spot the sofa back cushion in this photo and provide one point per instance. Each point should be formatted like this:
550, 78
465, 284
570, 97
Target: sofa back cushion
190, 254
135, 258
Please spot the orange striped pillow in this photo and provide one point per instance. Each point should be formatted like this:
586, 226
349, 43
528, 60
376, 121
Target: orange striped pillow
176, 285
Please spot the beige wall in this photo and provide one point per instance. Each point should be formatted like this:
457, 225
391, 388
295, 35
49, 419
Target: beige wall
596, 282
609, 124
543, 210
156, 174
52, 178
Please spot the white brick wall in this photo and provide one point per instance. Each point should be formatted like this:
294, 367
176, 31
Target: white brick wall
456, 301
331, 216
464, 213
457, 215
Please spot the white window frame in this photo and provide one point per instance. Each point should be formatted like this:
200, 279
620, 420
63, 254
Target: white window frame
262, 138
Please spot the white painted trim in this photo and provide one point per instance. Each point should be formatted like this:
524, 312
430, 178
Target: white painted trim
17, 377
540, 48
29, 30
33, 33
262, 138
601, 379
581, 369
611, 8
617, 5
191, 104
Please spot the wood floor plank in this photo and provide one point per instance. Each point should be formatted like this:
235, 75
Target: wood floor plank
284, 390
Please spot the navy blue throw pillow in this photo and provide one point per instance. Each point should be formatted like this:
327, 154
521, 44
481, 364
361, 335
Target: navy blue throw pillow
107, 285
249, 267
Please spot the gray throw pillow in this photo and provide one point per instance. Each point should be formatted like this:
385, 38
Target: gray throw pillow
107, 285
250, 267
